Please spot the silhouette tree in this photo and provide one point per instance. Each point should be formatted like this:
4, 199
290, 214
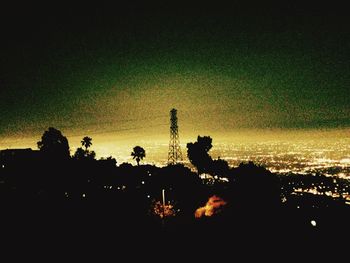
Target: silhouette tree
54, 145
197, 153
86, 142
138, 153
220, 167
81, 154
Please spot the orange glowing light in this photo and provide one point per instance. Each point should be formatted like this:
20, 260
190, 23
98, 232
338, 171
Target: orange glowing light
213, 206
163, 210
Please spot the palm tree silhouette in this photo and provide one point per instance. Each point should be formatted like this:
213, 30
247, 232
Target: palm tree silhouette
86, 142
138, 153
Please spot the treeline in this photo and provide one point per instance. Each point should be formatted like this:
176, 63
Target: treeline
171, 197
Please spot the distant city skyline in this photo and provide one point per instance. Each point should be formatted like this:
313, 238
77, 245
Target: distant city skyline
330, 145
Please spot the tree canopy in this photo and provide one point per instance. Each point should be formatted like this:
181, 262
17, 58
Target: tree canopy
54, 145
138, 154
198, 155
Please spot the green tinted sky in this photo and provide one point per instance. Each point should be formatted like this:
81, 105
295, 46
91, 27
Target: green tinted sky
121, 69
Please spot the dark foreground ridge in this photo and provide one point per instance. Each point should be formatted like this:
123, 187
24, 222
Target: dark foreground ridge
99, 228
75, 206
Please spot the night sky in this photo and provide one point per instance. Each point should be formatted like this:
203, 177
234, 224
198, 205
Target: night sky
90, 70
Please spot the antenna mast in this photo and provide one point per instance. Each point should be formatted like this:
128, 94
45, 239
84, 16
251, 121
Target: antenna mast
174, 154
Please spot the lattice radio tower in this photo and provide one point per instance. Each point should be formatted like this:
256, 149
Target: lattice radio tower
174, 154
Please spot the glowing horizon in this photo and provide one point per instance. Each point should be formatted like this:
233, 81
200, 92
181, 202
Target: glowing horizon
120, 145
